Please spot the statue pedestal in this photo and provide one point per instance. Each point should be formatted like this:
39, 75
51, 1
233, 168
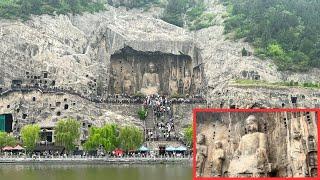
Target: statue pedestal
149, 90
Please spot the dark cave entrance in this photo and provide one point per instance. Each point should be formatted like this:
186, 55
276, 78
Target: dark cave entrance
6, 122
46, 135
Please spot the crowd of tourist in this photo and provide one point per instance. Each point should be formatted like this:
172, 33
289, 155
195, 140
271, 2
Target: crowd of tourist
163, 126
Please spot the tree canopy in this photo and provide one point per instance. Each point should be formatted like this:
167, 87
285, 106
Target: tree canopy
67, 133
112, 136
106, 136
7, 140
30, 136
130, 138
285, 30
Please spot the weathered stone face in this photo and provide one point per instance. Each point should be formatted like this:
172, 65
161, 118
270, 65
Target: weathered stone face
263, 145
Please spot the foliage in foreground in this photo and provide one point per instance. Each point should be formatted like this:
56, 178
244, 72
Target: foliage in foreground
111, 136
106, 136
7, 140
67, 133
30, 136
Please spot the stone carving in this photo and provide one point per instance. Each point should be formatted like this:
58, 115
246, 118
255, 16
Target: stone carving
173, 85
297, 154
202, 152
187, 83
127, 83
115, 82
180, 86
150, 81
250, 159
281, 144
218, 157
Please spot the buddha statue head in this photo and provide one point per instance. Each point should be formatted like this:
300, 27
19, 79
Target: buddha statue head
200, 139
152, 67
251, 124
295, 132
217, 145
187, 74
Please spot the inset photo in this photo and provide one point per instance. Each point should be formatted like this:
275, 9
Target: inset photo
255, 143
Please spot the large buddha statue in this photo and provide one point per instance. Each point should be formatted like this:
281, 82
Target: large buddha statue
150, 81
250, 158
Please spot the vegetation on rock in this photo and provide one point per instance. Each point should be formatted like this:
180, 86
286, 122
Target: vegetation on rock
284, 30
277, 84
188, 12
143, 113
188, 134
138, 3
13, 9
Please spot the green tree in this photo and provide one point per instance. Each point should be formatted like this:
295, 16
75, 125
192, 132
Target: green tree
143, 113
30, 136
106, 136
285, 30
188, 134
67, 133
14, 9
130, 138
7, 140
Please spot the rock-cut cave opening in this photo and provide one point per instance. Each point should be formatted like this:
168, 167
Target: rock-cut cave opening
135, 72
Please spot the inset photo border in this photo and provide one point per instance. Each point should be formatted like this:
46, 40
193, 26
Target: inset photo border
255, 143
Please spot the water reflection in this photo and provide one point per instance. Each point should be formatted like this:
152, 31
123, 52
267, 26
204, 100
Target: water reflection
88, 172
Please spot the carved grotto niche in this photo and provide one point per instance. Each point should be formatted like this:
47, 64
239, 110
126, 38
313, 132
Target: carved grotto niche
241, 144
134, 72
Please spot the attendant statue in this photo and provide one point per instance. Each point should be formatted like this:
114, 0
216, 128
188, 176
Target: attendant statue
250, 159
150, 81
202, 152
127, 83
173, 85
218, 158
187, 83
115, 82
297, 154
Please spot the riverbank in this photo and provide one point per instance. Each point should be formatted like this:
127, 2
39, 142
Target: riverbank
187, 161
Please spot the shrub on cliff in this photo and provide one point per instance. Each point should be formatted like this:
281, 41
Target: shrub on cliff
14, 9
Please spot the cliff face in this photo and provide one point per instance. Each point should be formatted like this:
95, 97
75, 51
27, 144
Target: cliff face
71, 56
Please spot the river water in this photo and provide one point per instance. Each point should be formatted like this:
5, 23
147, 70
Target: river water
94, 172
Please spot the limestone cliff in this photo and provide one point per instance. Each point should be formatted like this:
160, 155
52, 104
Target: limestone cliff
70, 57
